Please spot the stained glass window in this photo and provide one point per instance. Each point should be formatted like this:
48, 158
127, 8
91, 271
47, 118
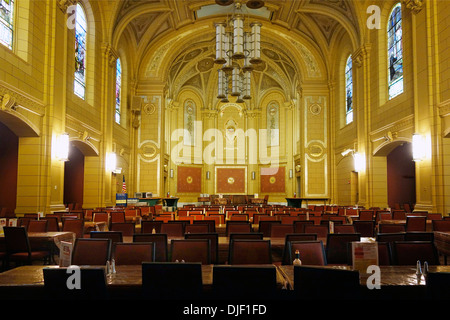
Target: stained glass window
79, 87
118, 89
395, 52
348, 91
6, 22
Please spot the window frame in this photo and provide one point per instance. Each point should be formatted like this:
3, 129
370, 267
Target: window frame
348, 74
77, 81
10, 25
393, 26
118, 103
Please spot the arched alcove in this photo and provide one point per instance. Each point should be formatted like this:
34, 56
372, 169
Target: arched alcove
9, 147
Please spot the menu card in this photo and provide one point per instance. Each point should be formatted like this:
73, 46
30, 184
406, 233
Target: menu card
65, 254
364, 254
2, 224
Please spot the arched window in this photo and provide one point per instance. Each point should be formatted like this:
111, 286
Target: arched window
118, 89
395, 52
348, 91
6, 22
79, 86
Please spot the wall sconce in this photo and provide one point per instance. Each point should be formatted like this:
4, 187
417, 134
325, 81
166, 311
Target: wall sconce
207, 175
62, 147
111, 162
359, 162
171, 173
346, 152
419, 147
253, 175
291, 173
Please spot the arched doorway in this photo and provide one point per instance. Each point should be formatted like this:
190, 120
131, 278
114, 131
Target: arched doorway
74, 178
401, 176
9, 147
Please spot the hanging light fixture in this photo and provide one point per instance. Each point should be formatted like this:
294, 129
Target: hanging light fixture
238, 49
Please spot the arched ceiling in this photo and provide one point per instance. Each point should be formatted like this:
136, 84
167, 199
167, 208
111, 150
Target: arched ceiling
162, 31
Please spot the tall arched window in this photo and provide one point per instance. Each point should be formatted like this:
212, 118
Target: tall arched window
6, 22
79, 86
348, 91
395, 52
118, 89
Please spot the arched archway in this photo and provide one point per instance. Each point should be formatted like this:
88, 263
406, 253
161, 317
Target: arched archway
401, 176
9, 147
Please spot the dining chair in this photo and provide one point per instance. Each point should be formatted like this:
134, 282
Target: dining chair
160, 240
390, 237
391, 228
365, 228
74, 225
246, 235
213, 238
321, 230
280, 230
172, 280
147, 226
237, 227
18, 248
257, 216
384, 254
239, 217
315, 282
92, 284
127, 228
115, 236
116, 217
419, 236
311, 252
416, 223
190, 250
87, 251
173, 229
37, 226
441, 225
101, 217
399, 215
366, 215
236, 282
344, 228
295, 237
133, 253
211, 224
250, 252
408, 252
337, 247
299, 226
53, 225
196, 228
265, 226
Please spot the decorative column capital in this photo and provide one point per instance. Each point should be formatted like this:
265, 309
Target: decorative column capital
110, 54
64, 4
414, 5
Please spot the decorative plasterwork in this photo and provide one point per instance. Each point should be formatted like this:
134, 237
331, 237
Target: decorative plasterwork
414, 5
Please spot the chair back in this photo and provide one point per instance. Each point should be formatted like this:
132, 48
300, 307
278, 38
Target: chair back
116, 216
196, 228
399, 215
384, 254
134, 253
295, 237
344, 228
437, 285
115, 236
167, 280
390, 237
160, 240
211, 223
53, 224
246, 235
127, 228
311, 252
231, 282
173, 229
419, 236
88, 251
299, 226
147, 226
191, 250
92, 284
416, 223
265, 226
238, 227
213, 238
101, 217
337, 249
365, 228
320, 230
391, 228
408, 252
250, 252
37, 226
74, 225
365, 215
441, 225
281, 230
16, 240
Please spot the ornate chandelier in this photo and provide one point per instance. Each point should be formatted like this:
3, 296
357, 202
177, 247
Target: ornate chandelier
238, 49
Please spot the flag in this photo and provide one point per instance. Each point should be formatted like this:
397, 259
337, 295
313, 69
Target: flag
124, 186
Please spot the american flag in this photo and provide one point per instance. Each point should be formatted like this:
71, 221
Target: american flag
124, 186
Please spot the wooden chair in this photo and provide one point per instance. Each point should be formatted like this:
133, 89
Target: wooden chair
87, 251
250, 252
53, 225
416, 224
408, 252
320, 230
37, 226
147, 226
190, 250
441, 225
238, 227
311, 252
384, 254
133, 253
365, 228
127, 228
173, 229
391, 228
18, 248
114, 236
295, 237
280, 230
299, 226
160, 240
211, 224
265, 226
196, 228
390, 237
344, 228
213, 242
337, 247
174, 281
74, 225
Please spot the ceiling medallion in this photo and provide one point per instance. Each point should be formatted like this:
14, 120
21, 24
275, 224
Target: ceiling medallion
230, 180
